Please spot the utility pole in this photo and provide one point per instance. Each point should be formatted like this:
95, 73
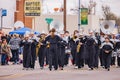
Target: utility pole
79, 17
1, 18
64, 16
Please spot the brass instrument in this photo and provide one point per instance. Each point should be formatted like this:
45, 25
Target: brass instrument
107, 26
74, 38
48, 44
39, 44
78, 47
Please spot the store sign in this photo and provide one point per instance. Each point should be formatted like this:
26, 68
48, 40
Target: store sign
32, 8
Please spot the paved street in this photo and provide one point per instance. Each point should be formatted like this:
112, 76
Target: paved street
15, 72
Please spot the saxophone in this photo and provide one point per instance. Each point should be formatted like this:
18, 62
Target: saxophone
39, 45
40, 41
78, 47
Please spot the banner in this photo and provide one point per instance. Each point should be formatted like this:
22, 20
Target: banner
32, 8
84, 16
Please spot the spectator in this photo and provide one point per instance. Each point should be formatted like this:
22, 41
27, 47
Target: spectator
15, 45
4, 52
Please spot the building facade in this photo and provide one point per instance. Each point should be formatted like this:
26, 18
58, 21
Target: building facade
20, 16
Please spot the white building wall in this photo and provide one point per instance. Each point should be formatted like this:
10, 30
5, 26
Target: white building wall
72, 22
10, 6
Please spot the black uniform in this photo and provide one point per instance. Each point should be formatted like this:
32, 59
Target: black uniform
53, 55
61, 53
27, 54
46, 55
33, 52
117, 47
97, 51
41, 54
107, 51
67, 51
113, 54
90, 52
80, 53
73, 46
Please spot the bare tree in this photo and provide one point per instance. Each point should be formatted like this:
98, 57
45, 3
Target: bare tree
111, 16
106, 12
118, 24
92, 5
118, 21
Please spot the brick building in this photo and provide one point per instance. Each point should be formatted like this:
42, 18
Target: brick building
19, 14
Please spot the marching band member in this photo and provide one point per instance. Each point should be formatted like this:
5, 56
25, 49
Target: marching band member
102, 39
97, 49
113, 41
117, 47
34, 43
61, 51
41, 51
52, 40
27, 57
67, 49
90, 51
73, 46
80, 51
107, 48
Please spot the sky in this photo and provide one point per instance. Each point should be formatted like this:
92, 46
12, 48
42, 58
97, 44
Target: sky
49, 5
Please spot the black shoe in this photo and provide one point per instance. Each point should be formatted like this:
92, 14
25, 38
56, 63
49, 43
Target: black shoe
90, 69
79, 67
55, 68
50, 69
103, 67
108, 69
61, 69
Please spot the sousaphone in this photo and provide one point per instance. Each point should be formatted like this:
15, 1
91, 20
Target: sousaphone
57, 25
107, 27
